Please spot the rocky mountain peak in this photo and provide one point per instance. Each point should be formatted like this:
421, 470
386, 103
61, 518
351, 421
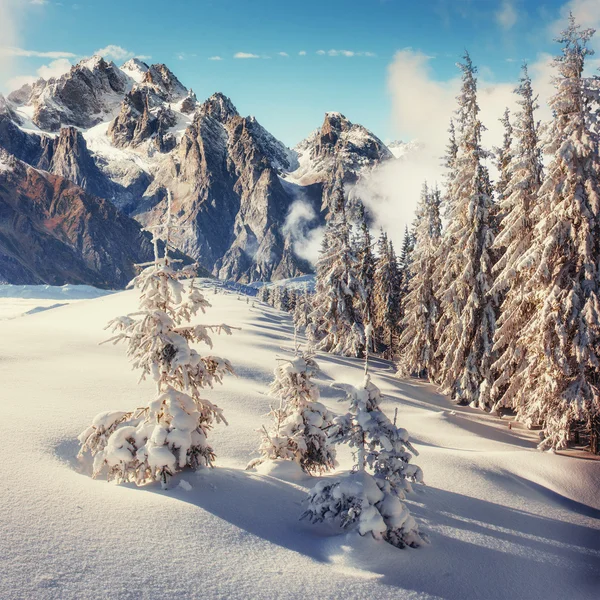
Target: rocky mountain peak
164, 83
135, 68
80, 97
219, 107
189, 103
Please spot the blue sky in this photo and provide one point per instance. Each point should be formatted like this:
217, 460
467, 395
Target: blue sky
289, 93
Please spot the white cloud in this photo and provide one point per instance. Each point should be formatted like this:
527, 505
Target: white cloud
284, 54
306, 241
346, 53
422, 107
38, 2
55, 69
506, 16
302, 53
12, 51
245, 55
118, 53
586, 13
215, 58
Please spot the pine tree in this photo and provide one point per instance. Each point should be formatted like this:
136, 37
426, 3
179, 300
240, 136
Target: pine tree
404, 273
283, 299
370, 503
504, 157
263, 294
170, 432
466, 335
292, 299
562, 338
366, 265
517, 199
338, 325
300, 422
386, 295
302, 310
418, 343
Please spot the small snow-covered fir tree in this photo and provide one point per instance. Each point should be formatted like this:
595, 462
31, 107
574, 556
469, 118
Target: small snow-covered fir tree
417, 342
338, 324
521, 180
561, 380
300, 422
170, 432
370, 498
467, 328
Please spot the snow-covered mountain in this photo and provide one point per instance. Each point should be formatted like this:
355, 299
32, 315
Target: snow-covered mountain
338, 146
129, 133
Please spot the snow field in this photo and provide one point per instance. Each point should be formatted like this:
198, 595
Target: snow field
504, 520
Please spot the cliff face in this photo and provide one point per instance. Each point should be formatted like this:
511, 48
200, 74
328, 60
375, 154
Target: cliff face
128, 134
229, 196
52, 231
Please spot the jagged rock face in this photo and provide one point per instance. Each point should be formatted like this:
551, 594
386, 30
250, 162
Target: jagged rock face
14, 140
189, 103
164, 84
230, 197
80, 97
136, 122
53, 232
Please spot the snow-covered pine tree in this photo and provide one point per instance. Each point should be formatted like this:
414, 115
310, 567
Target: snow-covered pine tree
561, 379
386, 295
300, 422
366, 264
466, 332
284, 298
417, 342
302, 310
263, 294
445, 243
370, 498
338, 325
292, 299
504, 156
404, 272
170, 432
522, 178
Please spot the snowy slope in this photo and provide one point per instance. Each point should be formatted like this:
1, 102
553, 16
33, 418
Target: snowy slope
505, 521
17, 300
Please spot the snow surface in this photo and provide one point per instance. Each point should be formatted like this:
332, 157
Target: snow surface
18, 300
504, 520
302, 282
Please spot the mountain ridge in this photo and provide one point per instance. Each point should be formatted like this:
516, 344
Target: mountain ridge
129, 133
